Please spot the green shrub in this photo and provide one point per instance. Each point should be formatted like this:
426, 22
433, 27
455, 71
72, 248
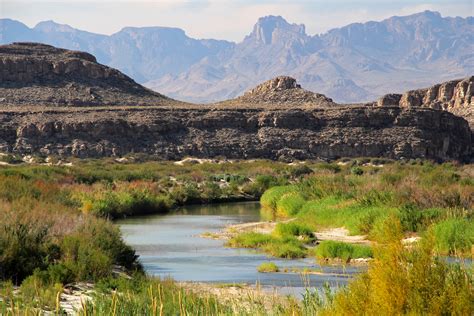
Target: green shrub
114, 204
263, 183
375, 197
358, 171
333, 167
454, 236
391, 178
288, 247
293, 229
411, 218
249, 240
24, 247
38, 291
185, 194
270, 198
329, 249
406, 281
281, 247
300, 170
289, 204
211, 192
267, 267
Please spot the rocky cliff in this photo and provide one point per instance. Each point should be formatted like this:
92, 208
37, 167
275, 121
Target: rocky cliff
456, 96
276, 120
289, 134
38, 74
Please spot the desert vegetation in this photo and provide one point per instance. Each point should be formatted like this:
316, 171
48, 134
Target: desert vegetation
56, 229
427, 198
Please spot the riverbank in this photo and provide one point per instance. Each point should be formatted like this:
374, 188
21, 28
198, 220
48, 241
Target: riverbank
58, 232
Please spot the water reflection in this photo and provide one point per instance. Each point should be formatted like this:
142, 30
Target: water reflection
169, 245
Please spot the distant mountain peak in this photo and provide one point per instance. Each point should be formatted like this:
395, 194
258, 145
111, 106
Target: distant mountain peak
50, 25
268, 28
153, 29
428, 13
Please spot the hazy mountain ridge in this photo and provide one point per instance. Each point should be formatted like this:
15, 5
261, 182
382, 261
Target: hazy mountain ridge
358, 62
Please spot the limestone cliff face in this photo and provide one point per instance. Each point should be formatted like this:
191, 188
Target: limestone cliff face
36, 74
42, 89
248, 133
456, 96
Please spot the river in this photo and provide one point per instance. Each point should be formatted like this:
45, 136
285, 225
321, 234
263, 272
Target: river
169, 246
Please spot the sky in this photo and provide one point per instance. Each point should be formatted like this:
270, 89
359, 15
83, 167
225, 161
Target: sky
219, 19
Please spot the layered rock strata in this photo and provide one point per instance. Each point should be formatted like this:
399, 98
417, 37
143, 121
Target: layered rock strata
390, 132
456, 96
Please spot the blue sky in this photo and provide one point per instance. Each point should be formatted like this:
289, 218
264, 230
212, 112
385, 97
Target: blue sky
221, 19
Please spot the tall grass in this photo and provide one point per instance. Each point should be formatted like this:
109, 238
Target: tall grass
454, 236
281, 247
289, 204
404, 280
329, 249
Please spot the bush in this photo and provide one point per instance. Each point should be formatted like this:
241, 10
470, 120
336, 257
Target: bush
115, 204
211, 192
329, 249
358, 171
288, 247
411, 218
249, 240
300, 170
454, 236
403, 281
333, 167
270, 198
38, 291
375, 197
185, 194
263, 183
293, 229
289, 204
267, 267
284, 247
24, 247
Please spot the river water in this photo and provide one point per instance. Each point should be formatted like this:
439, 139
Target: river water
169, 246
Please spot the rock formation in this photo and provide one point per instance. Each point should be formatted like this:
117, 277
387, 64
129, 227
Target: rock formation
38, 74
283, 91
276, 120
288, 134
456, 96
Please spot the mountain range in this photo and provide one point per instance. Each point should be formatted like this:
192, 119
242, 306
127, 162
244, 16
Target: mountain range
355, 63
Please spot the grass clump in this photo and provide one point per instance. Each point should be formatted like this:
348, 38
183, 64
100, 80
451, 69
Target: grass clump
116, 204
329, 249
294, 229
281, 247
270, 198
454, 236
288, 248
267, 267
249, 240
289, 204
